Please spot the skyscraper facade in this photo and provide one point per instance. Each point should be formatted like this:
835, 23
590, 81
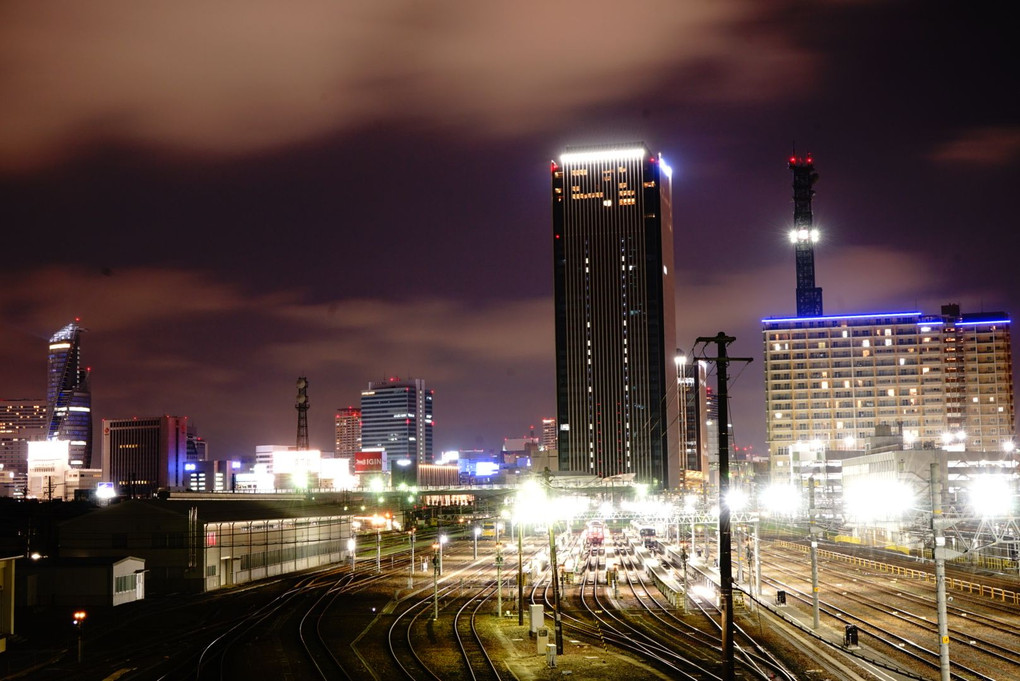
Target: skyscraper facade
615, 324
348, 432
396, 416
144, 455
68, 399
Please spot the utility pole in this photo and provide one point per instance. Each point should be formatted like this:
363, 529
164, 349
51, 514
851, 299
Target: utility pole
937, 522
814, 550
721, 340
378, 550
555, 569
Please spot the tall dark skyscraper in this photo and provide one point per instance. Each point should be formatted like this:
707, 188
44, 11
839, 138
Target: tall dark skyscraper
68, 399
615, 324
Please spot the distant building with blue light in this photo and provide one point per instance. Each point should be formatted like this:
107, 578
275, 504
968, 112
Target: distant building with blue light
68, 398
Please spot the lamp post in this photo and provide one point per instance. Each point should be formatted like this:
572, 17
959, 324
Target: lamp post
437, 561
79, 622
442, 540
499, 528
499, 580
520, 573
478, 531
378, 550
410, 574
351, 544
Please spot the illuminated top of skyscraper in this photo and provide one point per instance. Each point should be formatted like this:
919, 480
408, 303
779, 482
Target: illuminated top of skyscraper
68, 399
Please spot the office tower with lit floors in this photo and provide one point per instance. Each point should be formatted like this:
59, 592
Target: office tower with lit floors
396, 416
68, 398
616, 406
142, 456
831, 380
348, 432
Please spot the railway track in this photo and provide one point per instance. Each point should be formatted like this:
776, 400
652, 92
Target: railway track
986, 649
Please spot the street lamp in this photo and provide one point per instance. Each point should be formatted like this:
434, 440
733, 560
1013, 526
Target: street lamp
499, 528
378, 549
437, 563
410, 574
79, 622
442, 540
350, 547
478, 531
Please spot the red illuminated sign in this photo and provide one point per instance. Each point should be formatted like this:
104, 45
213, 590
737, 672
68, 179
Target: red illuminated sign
368, 462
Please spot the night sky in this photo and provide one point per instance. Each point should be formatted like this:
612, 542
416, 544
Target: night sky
231, 195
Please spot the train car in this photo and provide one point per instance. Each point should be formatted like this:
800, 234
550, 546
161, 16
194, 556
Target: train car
488, 529
595, 533
647, 534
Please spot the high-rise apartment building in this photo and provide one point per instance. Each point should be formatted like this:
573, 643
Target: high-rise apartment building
348, 432
829, 381
144, 455
549, 435
68, 399
832, 380
615, 325
396, 416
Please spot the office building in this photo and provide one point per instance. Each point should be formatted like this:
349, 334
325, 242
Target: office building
615, 326
549, 435
142, 456
21, 421
348, 432
68, 399
396, 417
832, 380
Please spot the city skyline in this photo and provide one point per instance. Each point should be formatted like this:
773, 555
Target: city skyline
226, 211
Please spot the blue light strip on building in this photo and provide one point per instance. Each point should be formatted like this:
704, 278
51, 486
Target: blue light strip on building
844, 316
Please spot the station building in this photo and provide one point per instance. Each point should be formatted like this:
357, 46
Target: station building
193, 544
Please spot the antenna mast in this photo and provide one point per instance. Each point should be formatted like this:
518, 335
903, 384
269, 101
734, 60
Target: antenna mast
302, 413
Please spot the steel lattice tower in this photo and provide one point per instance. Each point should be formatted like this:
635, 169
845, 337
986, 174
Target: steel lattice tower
804, 237
302, 413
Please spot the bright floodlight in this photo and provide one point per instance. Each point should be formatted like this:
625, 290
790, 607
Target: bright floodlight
849, 441
376, 485
990, 495
641, 489
443, 539
736, 499
478, 531
680, 359
781, 499
878, 500
350, 544
1008, 446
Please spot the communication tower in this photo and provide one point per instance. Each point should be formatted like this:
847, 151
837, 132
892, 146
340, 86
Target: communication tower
804, 236
302, 413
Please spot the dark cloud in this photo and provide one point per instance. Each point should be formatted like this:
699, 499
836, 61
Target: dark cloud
994, 147
235, 78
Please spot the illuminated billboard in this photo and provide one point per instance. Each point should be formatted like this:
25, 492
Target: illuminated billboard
369, 462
